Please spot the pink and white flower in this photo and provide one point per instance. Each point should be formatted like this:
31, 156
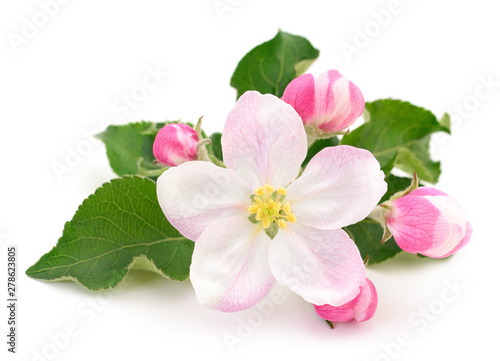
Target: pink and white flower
175, 144
329, 102
254, 223
429, 222
360, 309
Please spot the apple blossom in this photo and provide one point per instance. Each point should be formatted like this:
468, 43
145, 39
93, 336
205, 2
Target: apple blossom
360, 309
254, 223
429, 222
327, 104
175, 144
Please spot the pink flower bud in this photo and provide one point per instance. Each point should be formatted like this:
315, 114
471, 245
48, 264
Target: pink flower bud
360, 309
329, 102
175, 144
429, 222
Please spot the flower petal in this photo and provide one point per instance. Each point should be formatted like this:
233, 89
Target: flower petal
300, 94
427, 191
338, 101
230, 267
175, 144
329, 102
361, 308
340, 186
264, 141
417, 225
196, 194
461, 244
322, 266
367, 302
450, 208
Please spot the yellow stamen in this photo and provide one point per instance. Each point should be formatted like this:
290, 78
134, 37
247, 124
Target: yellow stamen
260, 214
269, 188
253, 209
259, 191
269, 207
287, 208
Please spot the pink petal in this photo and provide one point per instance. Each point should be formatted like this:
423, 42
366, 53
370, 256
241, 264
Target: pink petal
427, 191
455, 215
461, 244
300, 94
361, 308
329, 102
340, 186
367, 302
230, 267
332, 100
196, 194
417, 225
342, 313
264, 141
322, 266
175, 144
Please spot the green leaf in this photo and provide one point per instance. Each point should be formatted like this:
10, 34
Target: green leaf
395, 184
367, 235
130, 148
317, 146
397, 133
216, 146
269, 67
416, 158
120, 226
445, 121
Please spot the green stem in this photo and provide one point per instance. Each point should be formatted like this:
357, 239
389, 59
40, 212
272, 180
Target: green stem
216, 161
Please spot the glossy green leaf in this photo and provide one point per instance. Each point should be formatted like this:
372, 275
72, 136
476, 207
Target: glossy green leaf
416, 158
269, 67
129, 148
398, 133
120, 226
216, 146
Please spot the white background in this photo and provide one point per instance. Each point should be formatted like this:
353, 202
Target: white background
69, 75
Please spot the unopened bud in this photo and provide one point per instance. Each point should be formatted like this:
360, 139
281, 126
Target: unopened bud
175, 144
327, 104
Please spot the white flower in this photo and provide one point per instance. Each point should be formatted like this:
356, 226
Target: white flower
232, 213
